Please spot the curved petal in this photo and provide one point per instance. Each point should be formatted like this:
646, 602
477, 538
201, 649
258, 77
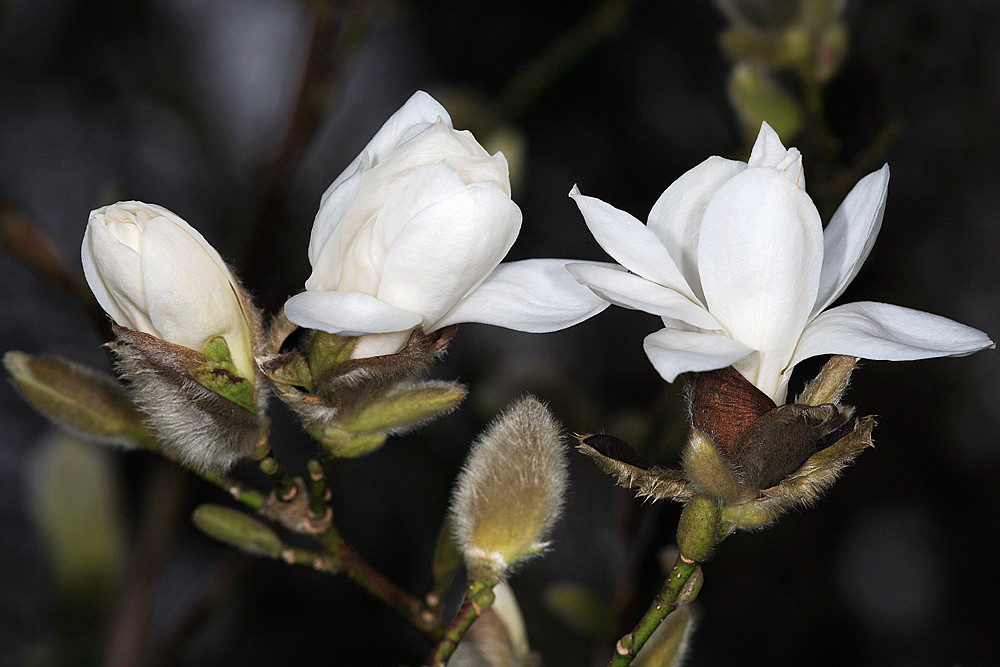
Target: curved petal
850, 236
447, 249
190, 293
419, 112
628, 290
882, 331
534, 295
760, 255
112, 270
674, 352
676, 216
347, 313
630, 243
768, 151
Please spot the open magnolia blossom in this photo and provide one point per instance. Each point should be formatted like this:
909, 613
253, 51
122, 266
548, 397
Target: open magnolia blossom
735, 260
154, 273
411, 235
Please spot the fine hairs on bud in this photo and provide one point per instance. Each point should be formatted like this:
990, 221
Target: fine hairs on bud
511, 489
192, 424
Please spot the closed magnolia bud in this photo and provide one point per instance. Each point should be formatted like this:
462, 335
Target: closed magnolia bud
154, 273
511, 491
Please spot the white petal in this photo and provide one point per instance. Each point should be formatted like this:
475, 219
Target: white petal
189, 293
760, 255
850, 236
630, 243
676, 216
535, 295
882, 331
347, 313
768, 151
674, 352
419, 113
113, 273
447, 249
621, 288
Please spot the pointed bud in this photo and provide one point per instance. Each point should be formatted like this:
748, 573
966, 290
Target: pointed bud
90, 404
405, 409
237, 529
511, 490
154, 273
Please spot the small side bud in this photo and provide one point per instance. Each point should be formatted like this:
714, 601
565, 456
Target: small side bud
831, 382
511, 490
88, 403
237, 529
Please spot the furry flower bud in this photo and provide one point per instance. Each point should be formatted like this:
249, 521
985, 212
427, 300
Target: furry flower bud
511, 491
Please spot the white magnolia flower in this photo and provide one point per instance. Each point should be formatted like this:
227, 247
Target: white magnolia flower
735, 260
411, 235
152, 272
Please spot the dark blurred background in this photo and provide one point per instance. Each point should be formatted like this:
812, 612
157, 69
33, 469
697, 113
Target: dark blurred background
209, 109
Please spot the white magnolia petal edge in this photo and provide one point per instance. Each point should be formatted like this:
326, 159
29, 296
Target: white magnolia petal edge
673, 352
631, 243
348, 313
533, 295
886, 332
615, 284
849, 237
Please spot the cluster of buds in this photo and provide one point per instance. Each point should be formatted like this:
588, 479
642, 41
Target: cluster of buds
746, 460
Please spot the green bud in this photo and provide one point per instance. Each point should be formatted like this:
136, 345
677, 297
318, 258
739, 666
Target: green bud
407, 408
85, 401
699, 528
327, 350
447, 560
237, 529
757, 98
581, 609
219, 375
77, 505
340, 443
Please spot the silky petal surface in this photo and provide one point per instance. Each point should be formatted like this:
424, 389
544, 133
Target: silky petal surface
447, 249
190, 294
883, 331
419, 112
676, 216
113, 272
631, 243
849, 237
674, 352
348, 313
622, 288
534, 295
760, 255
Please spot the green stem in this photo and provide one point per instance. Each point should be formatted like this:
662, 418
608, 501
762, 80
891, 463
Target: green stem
478, 599
675, 592
341, 558
250, 497
319, 491
284, 488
